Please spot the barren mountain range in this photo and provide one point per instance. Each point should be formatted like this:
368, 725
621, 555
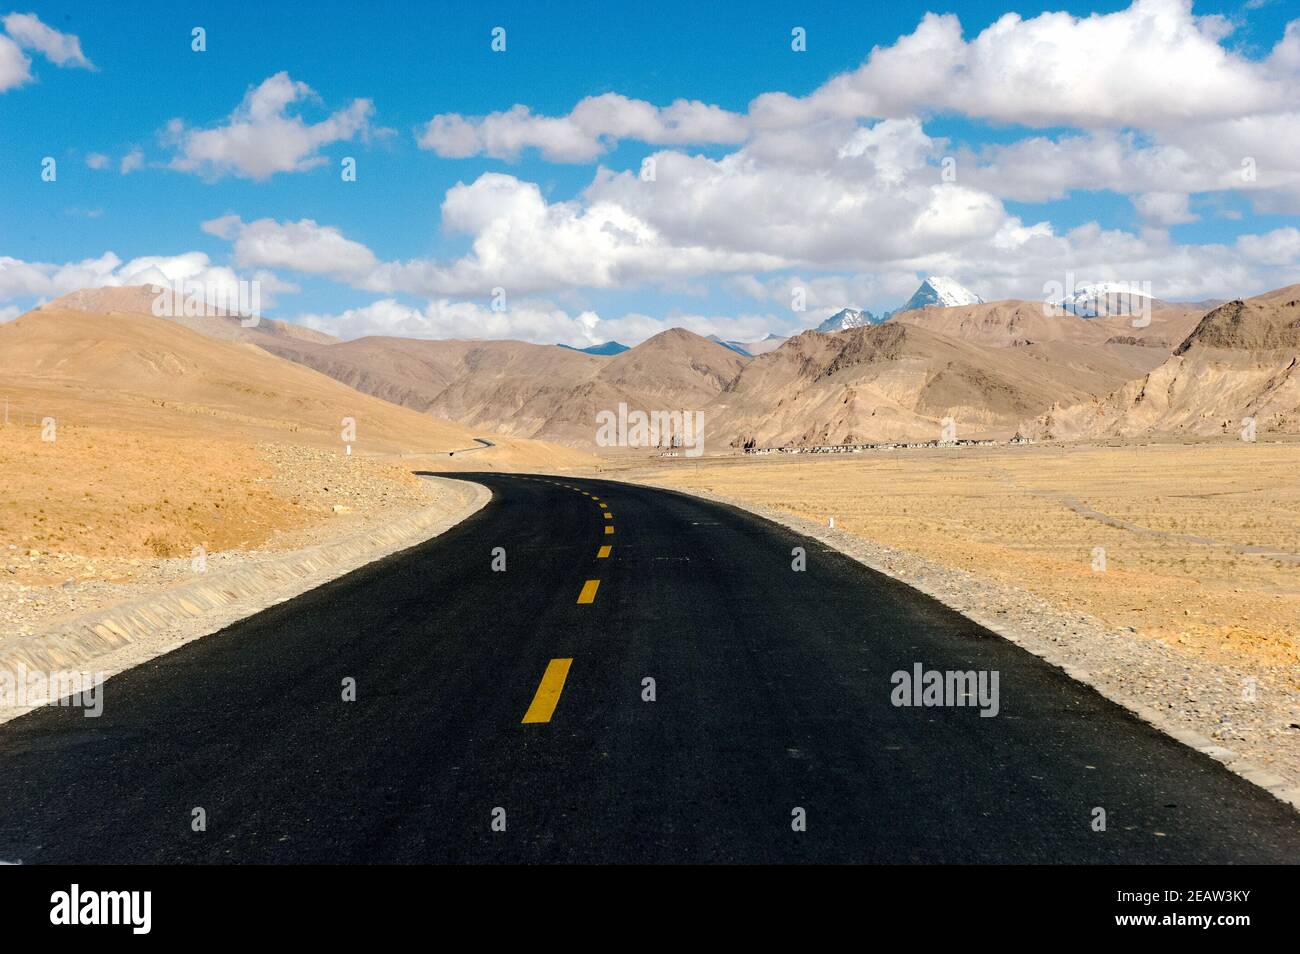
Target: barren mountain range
995, 368
529, 390
1238, 363
147, 374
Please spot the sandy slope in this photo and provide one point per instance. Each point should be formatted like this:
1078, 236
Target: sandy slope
165, 439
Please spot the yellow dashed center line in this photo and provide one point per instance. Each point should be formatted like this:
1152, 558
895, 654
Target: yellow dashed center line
608, 515
609, 530
604, 552
588, 594
548, 691
604, 506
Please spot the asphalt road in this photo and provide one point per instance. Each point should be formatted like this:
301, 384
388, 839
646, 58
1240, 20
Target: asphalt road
772, 693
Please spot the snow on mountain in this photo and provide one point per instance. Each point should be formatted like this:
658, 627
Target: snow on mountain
847, 318
1093, 299
936, 291
941, 292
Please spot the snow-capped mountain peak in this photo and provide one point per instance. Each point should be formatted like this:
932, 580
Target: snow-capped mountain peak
847, 318
939, 291
1092, 299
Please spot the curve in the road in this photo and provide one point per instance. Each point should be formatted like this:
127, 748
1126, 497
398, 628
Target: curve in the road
591, 671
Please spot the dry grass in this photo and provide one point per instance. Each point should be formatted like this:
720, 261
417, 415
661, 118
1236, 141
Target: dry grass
1004, 513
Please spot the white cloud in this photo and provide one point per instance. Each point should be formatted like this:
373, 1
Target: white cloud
738, 215
1164, 208
302, 246
527, 321
132, 161
824, 294
1152, 65
540, 322
1258, 156
61, 49
827, 216
1167, 105
27, 32
15, 68
1280, 248
44, 280
520, 243
260, 138
594, 126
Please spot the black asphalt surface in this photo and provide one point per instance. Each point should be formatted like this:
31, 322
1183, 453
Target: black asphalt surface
773, 692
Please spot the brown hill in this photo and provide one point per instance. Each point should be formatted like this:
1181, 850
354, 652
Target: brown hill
897, 381
143, 373
139, 300
1004, 324
539, 391
1016, 323
674, 369
1239, 362
125, 436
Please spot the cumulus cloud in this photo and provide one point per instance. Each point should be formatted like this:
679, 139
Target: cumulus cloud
25, 31
15, 68
594, 126
302, 246
1155, 104
1258, 156
520, 242
1164, 208
61, 49
261, 138
1160, 101
1020, 266
765, 206
1152, 65
443, 318
132, 161
44, 280
741, 216
1279, 248
1164, 100
823, 294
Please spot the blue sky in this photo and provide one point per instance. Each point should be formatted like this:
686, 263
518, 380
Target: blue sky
1101, 140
